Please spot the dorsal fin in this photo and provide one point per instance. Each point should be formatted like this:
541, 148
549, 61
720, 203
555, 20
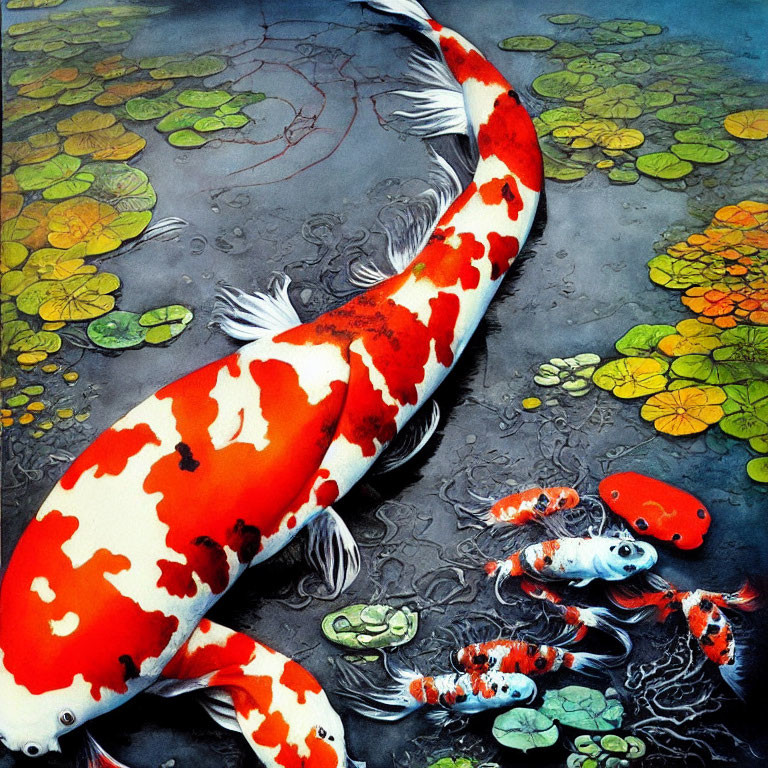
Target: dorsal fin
248, 317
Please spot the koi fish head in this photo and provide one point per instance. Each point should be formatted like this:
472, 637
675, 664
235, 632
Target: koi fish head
33, 723
619, 558
560, 498
505, 689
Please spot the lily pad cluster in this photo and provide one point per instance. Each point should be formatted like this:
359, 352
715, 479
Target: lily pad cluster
573, 375
609, 751
454, 762
39, 406
575, 706
362, 627
712, 368
122, 330
628, 107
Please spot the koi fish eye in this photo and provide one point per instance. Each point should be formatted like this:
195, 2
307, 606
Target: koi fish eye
614, 494
67, 717
624, 550
31, 749
542, 502
504, 688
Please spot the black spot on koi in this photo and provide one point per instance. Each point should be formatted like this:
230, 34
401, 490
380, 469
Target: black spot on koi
188, 463
131, 671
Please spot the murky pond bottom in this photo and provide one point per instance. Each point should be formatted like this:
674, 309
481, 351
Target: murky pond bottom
206, 144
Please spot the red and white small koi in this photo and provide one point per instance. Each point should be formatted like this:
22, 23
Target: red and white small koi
580, 619
532, 504
579, 560
222, 468
518, 656
702, 610
452, 694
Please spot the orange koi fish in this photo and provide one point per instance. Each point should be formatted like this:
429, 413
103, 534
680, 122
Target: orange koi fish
452, 695
509, 655
217, 471
702, 610
533, 504
654, 508
580, 619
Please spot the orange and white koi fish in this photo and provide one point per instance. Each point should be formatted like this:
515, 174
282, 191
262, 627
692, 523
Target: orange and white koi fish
532, 504
451, 695
510, 655
702, 610
579, 560
580, 619
217, 471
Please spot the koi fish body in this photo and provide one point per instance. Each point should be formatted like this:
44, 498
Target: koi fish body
220, 469
533, 504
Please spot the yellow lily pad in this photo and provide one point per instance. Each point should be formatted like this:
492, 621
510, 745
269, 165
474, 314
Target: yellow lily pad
630, 377
750, 124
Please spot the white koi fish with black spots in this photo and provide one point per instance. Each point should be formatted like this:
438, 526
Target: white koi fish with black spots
217, 471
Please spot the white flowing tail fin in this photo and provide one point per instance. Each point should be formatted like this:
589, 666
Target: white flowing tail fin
594, 664
388, 703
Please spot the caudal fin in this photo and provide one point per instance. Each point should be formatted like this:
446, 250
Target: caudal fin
388, 703
93, 755
605, 621
746, 599
593, 664
658, 597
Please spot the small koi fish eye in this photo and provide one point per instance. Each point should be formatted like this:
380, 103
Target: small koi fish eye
504, 688
67, 717
624, 550
542, 502
31, 750
614, 494
494, 687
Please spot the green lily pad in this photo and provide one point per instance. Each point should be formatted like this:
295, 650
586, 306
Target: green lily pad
179, 119
634, 67
587, 745
663, 165
566, 85
683, 115
202, 66
566, 50
116, 330
42, 175
122, 186
675, 273
550, 119
239, 101
174, 313
585, 65
745, 343
757, 469
527, 43
622, 101
363, 626
203, 99
75, 185
524, 729
703, 368
565, 18
81, 95
142, 108
613, 743
746, 410
186, 139
636, 747
584, 708
623, 175
699, 153
159, 334
642, 339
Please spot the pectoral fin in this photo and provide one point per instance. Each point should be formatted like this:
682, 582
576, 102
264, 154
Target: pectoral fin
94, 756
410, 440
582, 583
332, 549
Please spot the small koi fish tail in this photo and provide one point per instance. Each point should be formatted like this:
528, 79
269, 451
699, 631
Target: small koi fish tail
92, 755
592, 664
389, 703
539, 591
657, 599
605, 621
746, 599
502, 570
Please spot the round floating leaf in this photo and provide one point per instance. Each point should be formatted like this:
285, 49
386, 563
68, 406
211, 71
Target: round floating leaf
122, 186
116, 330
85, 121
566, 50
80, 298
159, 334
630, 377
42, 175
565, 18
685, 411
566, 85
619, 138
142, 108
682, 115
174, 313
202, 66
19, 108
240, 101
180, 119
622, 101
527, 43
692, 337
203, 99
205, 124
12, 255
642, 339
614, 743
524, 729
78, 184
550, 119
699, 153
586, 65
634, 67
757, 469
623, 176
671, 272
363, 626
583, 708
186, 139
81, 95
663, 165
704, 369
750, 124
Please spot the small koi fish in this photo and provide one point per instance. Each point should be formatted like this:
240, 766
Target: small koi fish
579, 560
706, 622
581, 619
451, 694
518, 656
533, 504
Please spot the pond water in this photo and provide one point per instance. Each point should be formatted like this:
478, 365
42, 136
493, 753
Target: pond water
302, 187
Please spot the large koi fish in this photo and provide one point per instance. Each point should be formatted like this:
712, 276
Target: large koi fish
107, 590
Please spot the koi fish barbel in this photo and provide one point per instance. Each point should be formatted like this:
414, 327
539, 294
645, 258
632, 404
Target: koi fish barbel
220, 469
